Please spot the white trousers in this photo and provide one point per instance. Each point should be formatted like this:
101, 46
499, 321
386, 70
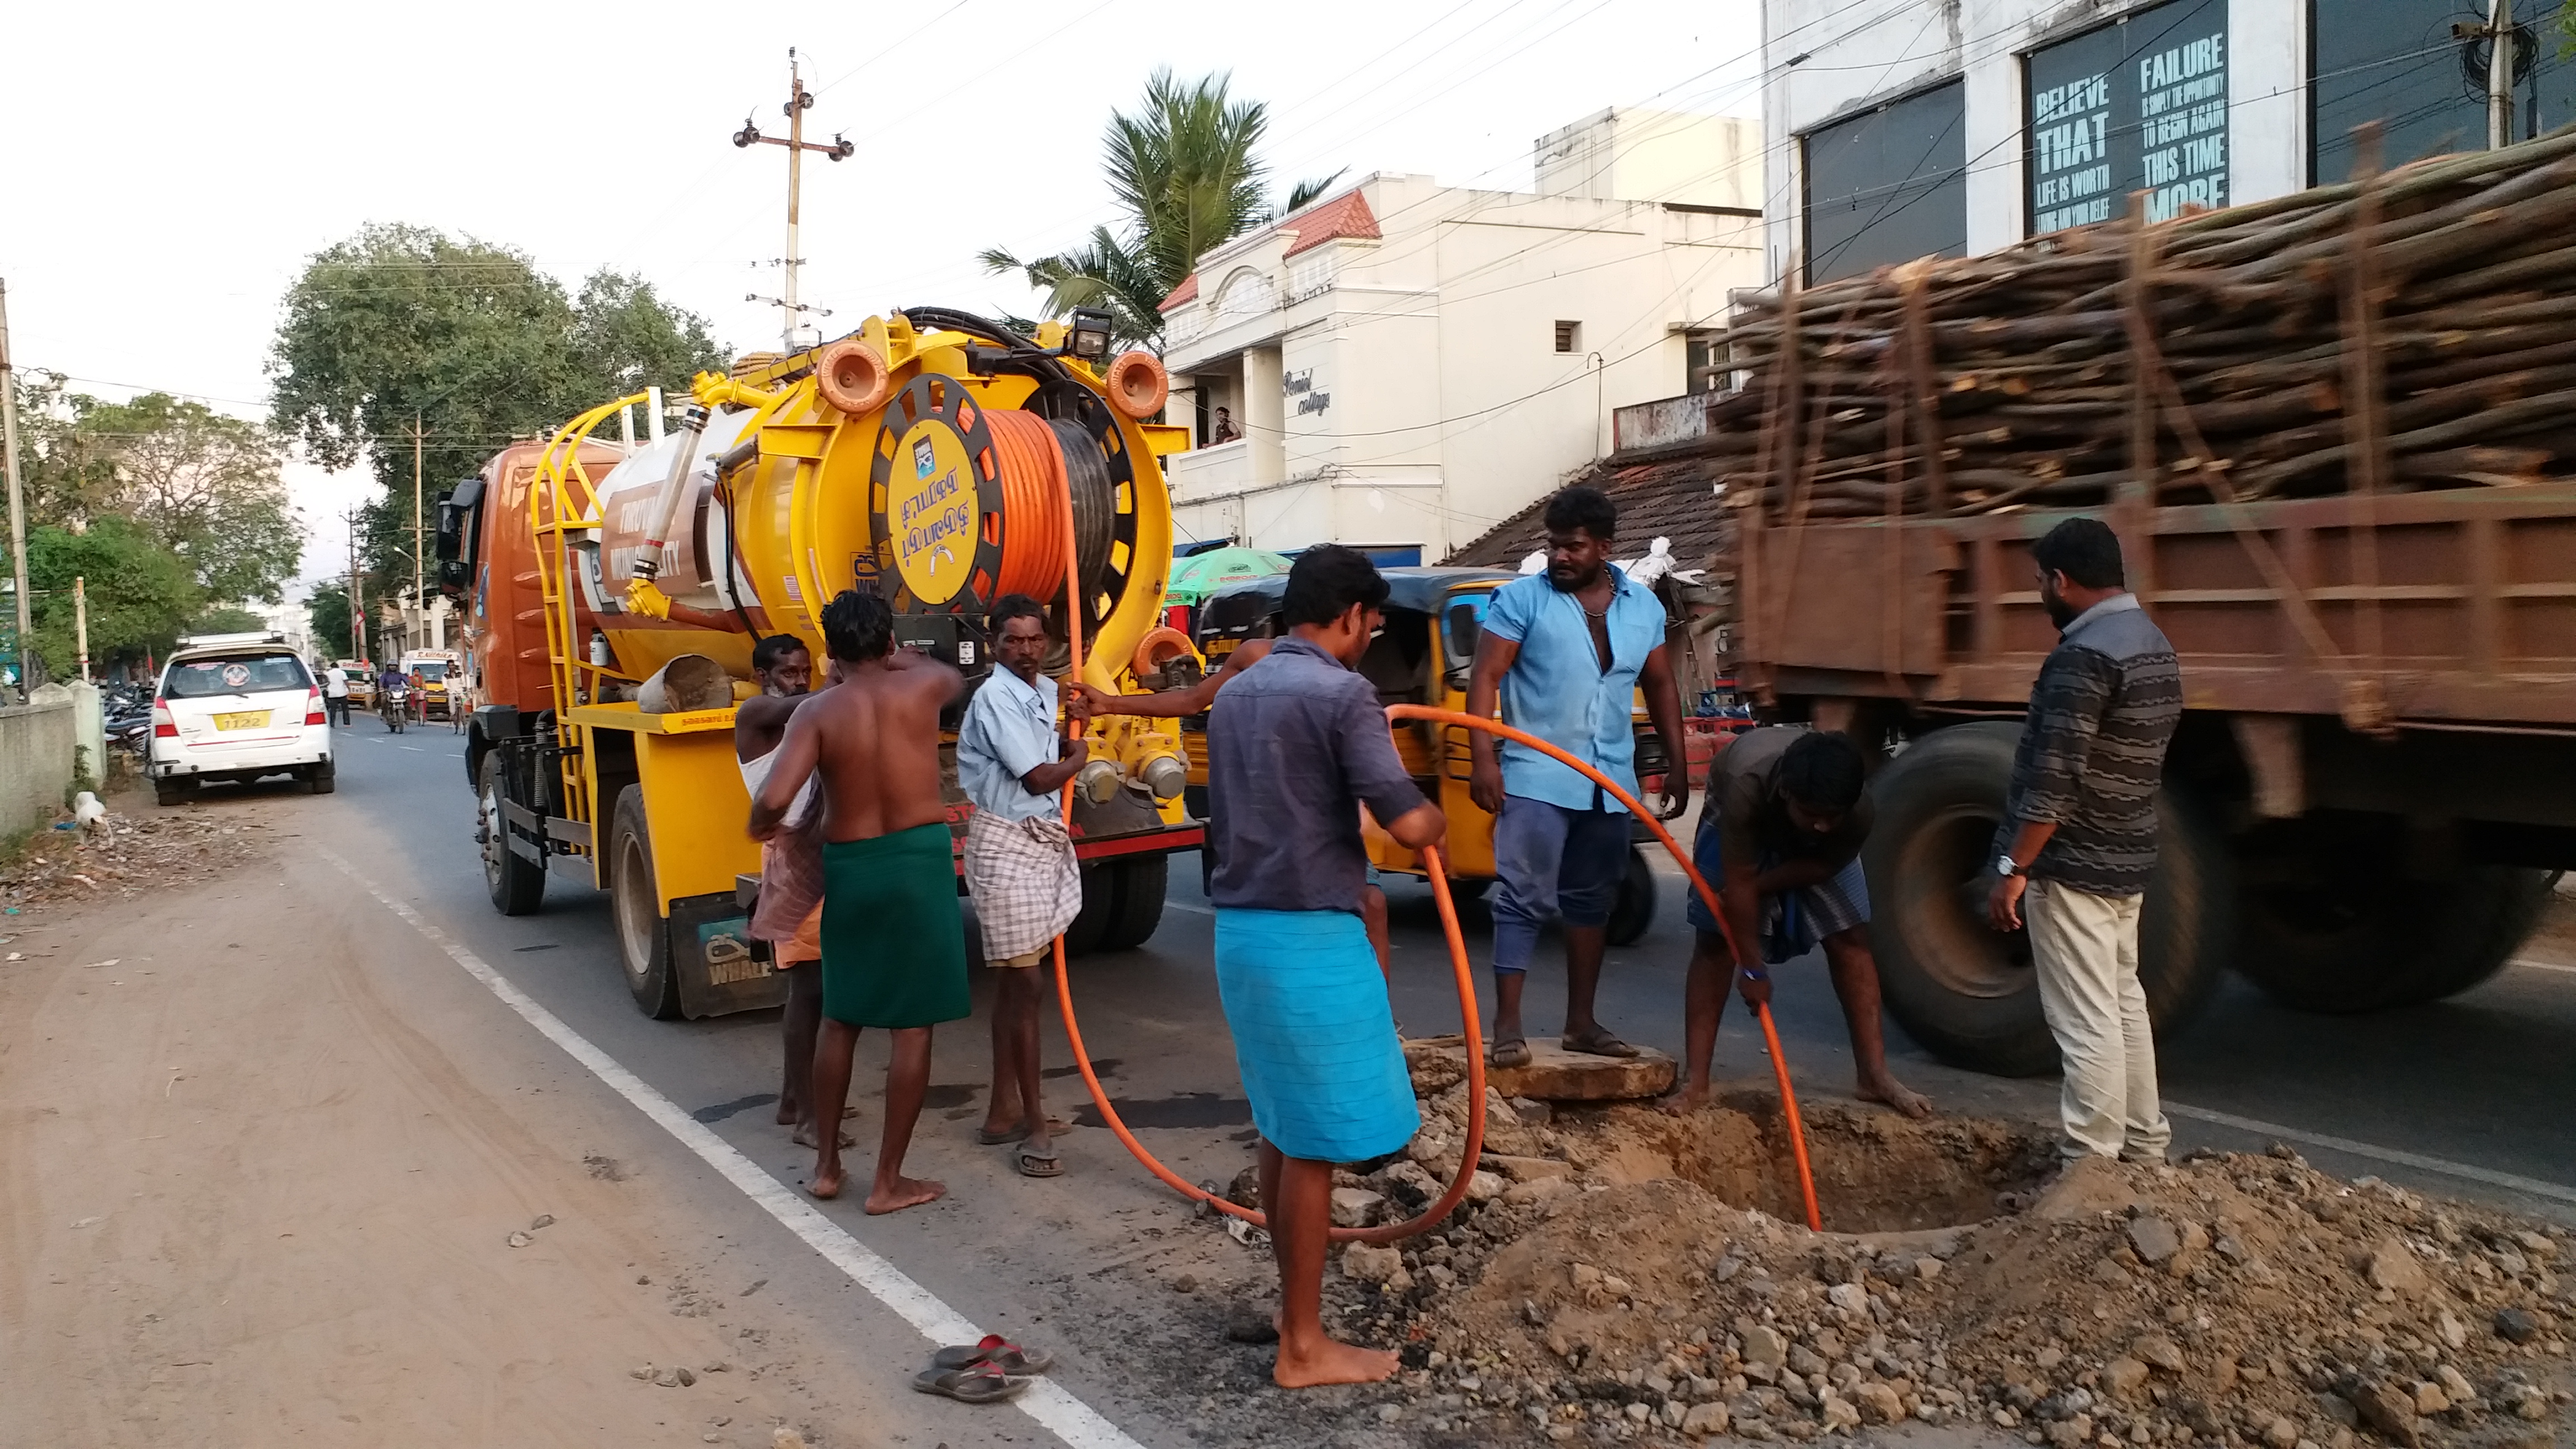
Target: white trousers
2085, 948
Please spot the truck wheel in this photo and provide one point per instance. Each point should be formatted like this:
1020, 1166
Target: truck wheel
515, 883
2332, 923
1141, 885
1966, 991
1099, 905
1634, 911
643, 936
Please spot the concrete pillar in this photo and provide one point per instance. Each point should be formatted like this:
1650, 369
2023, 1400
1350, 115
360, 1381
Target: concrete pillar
1265, 416
89, 727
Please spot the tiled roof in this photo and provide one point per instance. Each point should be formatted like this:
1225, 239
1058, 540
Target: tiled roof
1187, 291
1346, 215
1671, 500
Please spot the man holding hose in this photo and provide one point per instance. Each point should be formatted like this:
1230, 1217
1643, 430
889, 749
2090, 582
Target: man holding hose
1300, 746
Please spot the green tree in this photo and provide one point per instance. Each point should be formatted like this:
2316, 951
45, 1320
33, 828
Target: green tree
328, 609
205, 485
1182, 169
404, 323
224, 619
141, 595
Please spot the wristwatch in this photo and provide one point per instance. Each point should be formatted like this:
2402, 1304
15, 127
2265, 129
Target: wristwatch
2006, 865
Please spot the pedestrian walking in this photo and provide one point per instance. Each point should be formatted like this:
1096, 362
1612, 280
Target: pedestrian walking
335, 694
1566, 651
2078, 841
1779, 839
894, 951
789, 913
1012, 761
1299, 746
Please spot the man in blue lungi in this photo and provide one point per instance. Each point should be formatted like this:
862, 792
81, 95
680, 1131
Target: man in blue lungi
1300, 746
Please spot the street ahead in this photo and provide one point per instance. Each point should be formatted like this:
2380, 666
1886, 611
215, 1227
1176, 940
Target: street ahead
2464, 1098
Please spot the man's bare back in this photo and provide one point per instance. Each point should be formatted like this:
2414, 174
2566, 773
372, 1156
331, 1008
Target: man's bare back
875, 737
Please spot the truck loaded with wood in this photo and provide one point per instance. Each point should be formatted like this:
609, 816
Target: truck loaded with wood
613, 592
2336, 435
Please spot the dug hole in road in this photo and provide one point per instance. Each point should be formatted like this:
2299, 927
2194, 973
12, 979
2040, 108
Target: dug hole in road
275, 1164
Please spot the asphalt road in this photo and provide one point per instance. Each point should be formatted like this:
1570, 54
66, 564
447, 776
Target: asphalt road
2465, 1098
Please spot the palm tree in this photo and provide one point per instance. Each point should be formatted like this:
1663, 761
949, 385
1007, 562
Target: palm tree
1182, 169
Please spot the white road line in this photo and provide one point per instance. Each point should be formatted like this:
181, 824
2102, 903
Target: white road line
2544, 966
2532, 1185
1051, 1405
1185, 906
415, 749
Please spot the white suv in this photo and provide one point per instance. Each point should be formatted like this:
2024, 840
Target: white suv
237, 709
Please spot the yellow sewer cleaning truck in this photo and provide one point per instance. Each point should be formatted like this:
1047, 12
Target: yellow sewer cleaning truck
612, 592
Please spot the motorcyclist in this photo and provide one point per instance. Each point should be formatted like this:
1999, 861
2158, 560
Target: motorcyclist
386, 683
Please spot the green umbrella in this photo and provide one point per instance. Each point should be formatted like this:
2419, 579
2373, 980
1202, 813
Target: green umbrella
1202, 574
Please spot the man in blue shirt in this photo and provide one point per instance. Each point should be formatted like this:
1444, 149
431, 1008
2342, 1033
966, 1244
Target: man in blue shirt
1566, 651
1300, 746
1019, 866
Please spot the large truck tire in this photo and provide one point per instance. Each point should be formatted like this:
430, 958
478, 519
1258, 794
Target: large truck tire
1632, 913
2332, 922
1099, 903
516, 884
1968, 992
643, 936
1142, 882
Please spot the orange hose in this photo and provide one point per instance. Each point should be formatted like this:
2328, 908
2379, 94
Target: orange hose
1779, 1063
1032, 467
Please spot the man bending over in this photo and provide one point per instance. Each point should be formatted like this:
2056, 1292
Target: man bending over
1779, 840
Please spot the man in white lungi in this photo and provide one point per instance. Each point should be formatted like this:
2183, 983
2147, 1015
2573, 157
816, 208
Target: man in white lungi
1012, 763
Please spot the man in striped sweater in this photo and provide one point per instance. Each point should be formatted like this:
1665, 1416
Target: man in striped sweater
2078, 841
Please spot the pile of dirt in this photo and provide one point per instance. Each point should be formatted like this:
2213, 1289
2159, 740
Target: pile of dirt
1623, 1276
125, 854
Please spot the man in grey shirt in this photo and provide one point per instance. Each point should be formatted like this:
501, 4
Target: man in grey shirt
2078, 842
1299, 748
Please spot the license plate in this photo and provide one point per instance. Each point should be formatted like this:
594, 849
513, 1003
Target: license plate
249, 719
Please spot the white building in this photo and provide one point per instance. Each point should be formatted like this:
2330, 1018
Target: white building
1409, 363
1900, 128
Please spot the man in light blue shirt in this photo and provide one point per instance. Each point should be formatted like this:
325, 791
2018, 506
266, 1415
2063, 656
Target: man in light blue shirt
1566, 651
1019, 866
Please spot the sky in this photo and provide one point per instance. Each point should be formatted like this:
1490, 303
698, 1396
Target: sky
172, 166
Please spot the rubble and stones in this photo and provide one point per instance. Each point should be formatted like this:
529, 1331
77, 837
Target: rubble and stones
136, 848
1663, 1290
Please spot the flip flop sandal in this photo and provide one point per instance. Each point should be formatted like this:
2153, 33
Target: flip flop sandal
996, 1350
987, 1137
1511, 1053
1597, 1044
979, 1384
1033, 1163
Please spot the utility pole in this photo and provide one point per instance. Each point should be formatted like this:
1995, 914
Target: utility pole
799, 101
17, 500
2499, 33
419, 605
357, 613
80, 621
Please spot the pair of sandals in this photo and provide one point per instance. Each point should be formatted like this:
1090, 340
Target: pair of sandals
1598, 1042
992, 1371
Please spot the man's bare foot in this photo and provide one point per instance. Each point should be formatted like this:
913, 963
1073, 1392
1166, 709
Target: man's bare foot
1885, 1088
904, 1192
806, 1136
787, 1113
827, 1182
1684, 1102
1331, 1361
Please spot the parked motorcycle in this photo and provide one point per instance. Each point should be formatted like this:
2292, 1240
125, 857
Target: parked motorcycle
394, 704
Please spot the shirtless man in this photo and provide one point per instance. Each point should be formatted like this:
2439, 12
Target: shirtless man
894, 943
790, 913
1197, 699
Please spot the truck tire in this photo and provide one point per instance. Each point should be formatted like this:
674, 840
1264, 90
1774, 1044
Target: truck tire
2332, 923
643, 936
1633, 913
516, 884
1142, 881
1099, 903
1966, 991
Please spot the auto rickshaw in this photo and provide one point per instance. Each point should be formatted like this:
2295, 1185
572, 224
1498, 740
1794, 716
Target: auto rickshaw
1423, 655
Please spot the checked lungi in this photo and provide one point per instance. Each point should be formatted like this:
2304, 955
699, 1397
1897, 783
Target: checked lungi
1025, 881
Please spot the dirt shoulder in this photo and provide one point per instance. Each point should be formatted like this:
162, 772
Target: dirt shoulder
244, 1201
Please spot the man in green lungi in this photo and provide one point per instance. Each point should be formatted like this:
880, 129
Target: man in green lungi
894, 945
1300, 746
